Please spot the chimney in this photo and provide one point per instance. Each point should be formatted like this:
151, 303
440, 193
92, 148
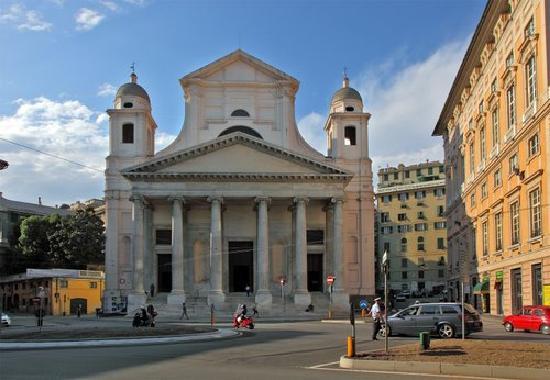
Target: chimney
40, 201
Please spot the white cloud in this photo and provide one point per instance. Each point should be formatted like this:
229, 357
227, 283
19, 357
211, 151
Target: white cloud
406, 107
110, 5
106, 89
87, 19
66, 128
25, 19
311, 128
162, 140
136, 2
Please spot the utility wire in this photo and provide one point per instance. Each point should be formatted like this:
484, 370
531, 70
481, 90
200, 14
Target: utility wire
51, 155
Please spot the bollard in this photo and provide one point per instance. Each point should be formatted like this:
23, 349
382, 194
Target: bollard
351, 347
424, 339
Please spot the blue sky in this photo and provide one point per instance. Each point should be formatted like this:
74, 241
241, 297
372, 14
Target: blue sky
62, 59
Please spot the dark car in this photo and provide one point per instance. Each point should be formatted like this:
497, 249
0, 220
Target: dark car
442, 318
529, 318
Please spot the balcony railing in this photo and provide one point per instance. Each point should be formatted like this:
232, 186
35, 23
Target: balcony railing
510, 134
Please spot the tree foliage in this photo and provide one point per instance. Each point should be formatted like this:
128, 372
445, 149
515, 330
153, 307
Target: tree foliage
72, 241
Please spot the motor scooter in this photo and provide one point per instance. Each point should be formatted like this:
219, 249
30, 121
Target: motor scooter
243, 321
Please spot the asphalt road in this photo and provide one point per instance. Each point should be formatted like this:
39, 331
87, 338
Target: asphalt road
272, 351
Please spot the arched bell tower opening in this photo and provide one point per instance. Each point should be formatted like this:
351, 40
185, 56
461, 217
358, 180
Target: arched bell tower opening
242, 129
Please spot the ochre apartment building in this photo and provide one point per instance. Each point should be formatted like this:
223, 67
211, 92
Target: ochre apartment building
495, 126
411, 227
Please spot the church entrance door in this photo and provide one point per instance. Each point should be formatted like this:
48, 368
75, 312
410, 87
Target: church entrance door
164, 273
315, 272
241, 265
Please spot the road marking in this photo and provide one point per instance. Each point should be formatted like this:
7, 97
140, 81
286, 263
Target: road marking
417, 374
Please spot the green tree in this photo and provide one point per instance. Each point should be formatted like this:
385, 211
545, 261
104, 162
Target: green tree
34, 242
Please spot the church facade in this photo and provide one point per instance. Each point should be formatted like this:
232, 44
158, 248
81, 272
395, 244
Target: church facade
238, 199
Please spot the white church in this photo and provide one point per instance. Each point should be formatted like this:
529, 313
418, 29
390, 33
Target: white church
239, 198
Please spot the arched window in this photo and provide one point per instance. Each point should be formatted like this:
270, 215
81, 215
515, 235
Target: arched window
242, 129
128, 105
349, 135
128, 133
240, 113
350, 109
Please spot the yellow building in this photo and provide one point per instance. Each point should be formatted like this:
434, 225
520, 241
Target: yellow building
495, 126
61, 290
411, 226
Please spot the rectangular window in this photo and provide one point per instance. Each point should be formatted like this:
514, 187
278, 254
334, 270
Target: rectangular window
472, 200
418, 172
440, 225
480, 107
385, 177
440, 210
163, 237
404, 263
430, 171
395, 175
384, 217
530, 28
533, 145
531, 75
128, 133
420, 274
484, 190
472, 162
404, 275
514, 220
403, 197
420, 227
387, 198
401, 217
420, 215
440, 243
315, 237
535, 213
387, 246
495, 132
387, 230
497, 178
404, 245
420, 194
485, 238
440, 273
513, 164
498, 231
510, 60
407, 174
349, 135
482, 149
63, 283
511, 104
494, 86
93, 285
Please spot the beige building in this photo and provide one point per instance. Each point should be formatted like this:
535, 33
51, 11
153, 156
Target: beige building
239, 198
411, 227
496, 132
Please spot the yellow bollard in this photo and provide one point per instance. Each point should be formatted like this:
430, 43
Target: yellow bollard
351, 347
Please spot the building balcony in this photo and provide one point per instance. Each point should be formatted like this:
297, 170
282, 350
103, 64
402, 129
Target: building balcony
510, 134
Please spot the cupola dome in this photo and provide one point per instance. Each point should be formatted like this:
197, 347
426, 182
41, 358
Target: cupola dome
133, 89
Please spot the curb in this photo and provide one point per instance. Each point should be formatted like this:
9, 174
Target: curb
343, 321
220, 334
438, 368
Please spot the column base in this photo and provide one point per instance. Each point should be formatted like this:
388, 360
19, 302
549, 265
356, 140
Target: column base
302, 297
176, 297
216, 297
263, 297
110, 301
136, 300
340, 300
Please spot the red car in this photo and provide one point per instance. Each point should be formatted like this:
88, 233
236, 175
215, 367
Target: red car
530, 318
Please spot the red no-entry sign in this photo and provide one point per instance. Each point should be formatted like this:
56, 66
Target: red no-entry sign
330, 279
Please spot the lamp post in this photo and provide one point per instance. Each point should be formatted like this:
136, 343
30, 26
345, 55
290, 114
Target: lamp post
385, 270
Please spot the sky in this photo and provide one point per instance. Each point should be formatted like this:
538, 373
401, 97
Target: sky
61, 62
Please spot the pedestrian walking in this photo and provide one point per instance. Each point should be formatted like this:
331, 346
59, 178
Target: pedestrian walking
78, 310
152, 290
376, 313
247, 290
97, 312
255, 310
184, 311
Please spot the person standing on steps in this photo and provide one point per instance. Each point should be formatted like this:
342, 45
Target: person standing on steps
247, 290
152, 289
255, 311
78, 310
184, 311
376, 313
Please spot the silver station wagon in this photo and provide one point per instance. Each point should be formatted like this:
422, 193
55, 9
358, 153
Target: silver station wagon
443, 319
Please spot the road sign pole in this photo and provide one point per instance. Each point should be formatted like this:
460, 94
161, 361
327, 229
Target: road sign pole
385, 308
462, 302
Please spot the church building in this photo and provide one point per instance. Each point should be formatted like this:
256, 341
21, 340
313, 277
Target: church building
239, 199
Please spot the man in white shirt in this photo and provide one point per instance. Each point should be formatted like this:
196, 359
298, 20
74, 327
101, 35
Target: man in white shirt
376, 313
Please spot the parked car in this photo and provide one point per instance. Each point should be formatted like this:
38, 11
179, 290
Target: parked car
529, 318
6, 320
442, 318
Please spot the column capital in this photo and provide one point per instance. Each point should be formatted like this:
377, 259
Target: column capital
261, 198
137, 198
214, 198
336, 200
300, 199
172, 198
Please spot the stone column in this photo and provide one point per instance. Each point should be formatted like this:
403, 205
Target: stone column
339, 297
177, 296
263, 294
148, 259
137, 296
215, 294
111, 295
329, 209
301, 295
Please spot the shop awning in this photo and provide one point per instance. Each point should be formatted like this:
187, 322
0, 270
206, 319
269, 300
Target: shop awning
482, 287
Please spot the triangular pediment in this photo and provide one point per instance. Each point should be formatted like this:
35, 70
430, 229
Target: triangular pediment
237, 156
239, 66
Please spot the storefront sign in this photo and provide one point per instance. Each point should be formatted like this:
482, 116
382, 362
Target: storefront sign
546, 294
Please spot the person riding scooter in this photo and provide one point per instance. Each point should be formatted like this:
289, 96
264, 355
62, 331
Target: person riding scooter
242, 313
